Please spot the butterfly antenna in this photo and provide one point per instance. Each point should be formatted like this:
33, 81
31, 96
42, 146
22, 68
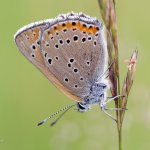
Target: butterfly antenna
55, 121
65, 109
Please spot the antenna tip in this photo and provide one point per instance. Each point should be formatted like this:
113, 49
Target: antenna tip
40, 123
53, 123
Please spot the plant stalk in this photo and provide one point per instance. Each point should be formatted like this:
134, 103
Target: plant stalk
108, 12
120, 138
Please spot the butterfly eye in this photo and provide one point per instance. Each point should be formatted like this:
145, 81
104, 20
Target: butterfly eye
80, 106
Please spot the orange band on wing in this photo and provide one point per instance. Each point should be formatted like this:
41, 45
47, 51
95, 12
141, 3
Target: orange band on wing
89, 29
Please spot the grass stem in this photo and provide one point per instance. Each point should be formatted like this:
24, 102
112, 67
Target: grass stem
108, 13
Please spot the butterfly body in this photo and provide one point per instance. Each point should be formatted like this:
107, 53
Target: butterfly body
71, 51
96, 96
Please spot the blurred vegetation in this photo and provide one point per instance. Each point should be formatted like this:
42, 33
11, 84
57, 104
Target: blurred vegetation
26, 96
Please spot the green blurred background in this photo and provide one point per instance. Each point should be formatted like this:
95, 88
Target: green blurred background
27, 97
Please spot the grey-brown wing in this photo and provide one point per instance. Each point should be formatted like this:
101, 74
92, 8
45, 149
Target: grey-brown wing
28, 40
74, 49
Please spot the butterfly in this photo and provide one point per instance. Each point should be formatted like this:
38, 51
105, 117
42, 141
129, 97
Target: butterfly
71, 51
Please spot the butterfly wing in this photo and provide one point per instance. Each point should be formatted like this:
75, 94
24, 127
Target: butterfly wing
75, 52
68, 50
28, 41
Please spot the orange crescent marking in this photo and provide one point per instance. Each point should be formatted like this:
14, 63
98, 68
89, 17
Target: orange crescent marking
68, 25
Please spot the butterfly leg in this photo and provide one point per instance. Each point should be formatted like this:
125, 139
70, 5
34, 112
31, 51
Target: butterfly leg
116, 109
112, 98
104, 110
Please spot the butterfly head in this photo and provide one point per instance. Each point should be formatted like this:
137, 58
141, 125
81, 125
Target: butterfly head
97, 95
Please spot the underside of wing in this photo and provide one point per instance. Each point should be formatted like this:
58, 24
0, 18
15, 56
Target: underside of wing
74, 49
28, 40
69, 50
